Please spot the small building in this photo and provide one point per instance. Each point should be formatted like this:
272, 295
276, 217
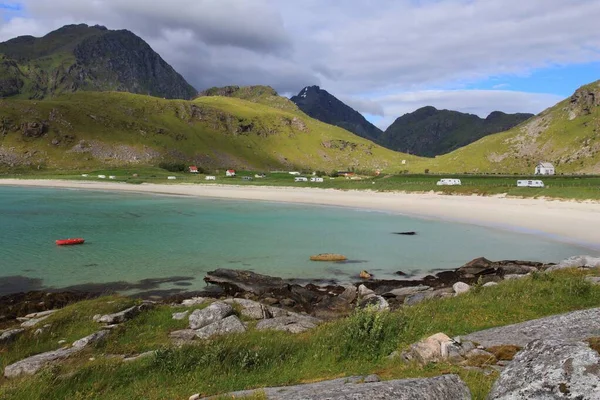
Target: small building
230, 172
544, 168
300, 179
449, 182
210, 178
193, 169
102, 176
316, 179
530, 183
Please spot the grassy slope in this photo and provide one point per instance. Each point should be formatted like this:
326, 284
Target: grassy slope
215, 132
358, 345
572, 144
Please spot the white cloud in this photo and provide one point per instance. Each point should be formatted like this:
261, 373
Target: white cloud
364, 106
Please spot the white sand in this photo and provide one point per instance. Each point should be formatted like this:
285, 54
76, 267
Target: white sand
570, 221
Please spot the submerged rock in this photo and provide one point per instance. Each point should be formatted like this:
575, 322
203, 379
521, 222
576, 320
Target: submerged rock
328, 257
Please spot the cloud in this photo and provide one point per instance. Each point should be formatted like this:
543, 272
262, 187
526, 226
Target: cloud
479, 102
364, 106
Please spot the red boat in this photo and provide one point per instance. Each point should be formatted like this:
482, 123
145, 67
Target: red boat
67, 242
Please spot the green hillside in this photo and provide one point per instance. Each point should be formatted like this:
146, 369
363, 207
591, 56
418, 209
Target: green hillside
89, 130
567, 135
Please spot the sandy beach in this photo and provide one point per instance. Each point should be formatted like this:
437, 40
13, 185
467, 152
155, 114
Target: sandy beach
568, 221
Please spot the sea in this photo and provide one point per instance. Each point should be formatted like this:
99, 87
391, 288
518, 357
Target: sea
166, 244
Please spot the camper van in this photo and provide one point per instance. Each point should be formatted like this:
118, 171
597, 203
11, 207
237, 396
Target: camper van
449, 182
210, 178
316, 179
532, 183
300, 179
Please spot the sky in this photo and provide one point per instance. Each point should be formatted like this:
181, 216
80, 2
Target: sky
384, 58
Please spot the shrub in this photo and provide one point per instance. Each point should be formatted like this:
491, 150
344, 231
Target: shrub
172, 166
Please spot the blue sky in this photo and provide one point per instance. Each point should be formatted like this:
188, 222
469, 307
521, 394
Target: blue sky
474, 56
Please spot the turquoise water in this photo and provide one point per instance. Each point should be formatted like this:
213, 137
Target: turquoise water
131, 237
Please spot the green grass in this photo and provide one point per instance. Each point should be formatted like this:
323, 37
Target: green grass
352, 346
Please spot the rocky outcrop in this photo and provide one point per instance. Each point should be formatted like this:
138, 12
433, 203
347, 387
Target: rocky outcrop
236, 281
577, 262
446, 387
211, 314
225, 326
7, 336
550, 369
122, 316
573, 326
293, 323
34, 129
33, 364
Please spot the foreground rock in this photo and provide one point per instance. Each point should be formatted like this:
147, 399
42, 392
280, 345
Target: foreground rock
446, 387
211, 314
124, 315
573, 327
225, 326
550, 369
33, 364
9, 335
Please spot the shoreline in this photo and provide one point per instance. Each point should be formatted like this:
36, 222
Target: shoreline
565, 221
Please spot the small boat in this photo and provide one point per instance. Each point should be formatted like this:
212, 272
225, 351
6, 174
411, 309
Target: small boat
68, 242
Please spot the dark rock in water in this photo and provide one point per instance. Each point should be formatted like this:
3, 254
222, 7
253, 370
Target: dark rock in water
400, 273
410, 233
237, 281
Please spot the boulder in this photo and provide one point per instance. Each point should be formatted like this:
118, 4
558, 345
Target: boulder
350, 293
417, 298
252, 309
515, 276
364, 275
213, 313
477, 266
236, 281
595, 280
461, 287
124, 315
406, 291
445, 387
9, 335
93, 338
550, 369
577, 262
573, 326
40, 314
33, 322
194, 301
181, 315
429, 349
363, 291
490, 284
328, 257
375, 303
294, 323
183, 336
225, 326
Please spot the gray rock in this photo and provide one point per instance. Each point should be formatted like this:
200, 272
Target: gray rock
184, 336
350, 293
418, 298
124, 315
251, 309
364, 291
461, 287
573, 326
550, 369
446, 387
515, 276
225, 326
9, 335
180, 315
292, 323
490, 284
376, 303
428, 350
577, 262
140, 356
595, 280
33, 322
194, 301
406, 291
213, 313
452, 352
40, 314
195, 397
31, 365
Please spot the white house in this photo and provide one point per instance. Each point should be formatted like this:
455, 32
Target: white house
210, 178
531, 183
316, 179
300, 179
449, 182
544, 168
230, 172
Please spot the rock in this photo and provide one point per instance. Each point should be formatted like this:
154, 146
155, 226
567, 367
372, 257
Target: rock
328, 257
181, 315
236, 281
504, 353
445, 387
93, 338
285, 303
573, 326
406, 291
124, 315
364, 275
213, 313
350, 293
40, 314
515, 276
295, 323
363, 291
490, 284
479, 358
183, 336
461, 287
476, 267
417, 298
194, 301
225, 326
252, 309
452, 352
428, 350
140, 356
31, 365
550, 369
375, 303
61, 342
195, 397
9, 335
33, 322
34, 129
272, 301
595, 280
577, 262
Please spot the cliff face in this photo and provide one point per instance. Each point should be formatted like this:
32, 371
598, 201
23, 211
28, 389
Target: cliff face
430, 132
321, 105
80, 57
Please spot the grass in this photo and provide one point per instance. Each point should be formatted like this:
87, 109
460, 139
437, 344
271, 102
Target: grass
352, 346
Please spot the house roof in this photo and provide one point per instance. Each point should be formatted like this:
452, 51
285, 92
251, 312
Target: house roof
193, 167
545, 165
231, 170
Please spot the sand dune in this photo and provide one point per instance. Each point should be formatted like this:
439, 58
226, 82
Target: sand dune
569, 221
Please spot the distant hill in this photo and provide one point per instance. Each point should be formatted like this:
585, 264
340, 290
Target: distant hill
567, 135
86, 58
257, 94
430, 132
321, 105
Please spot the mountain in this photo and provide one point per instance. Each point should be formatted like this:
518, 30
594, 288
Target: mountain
258, 94
567, 135
321, 105
86, 58
430, 132
91, 130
